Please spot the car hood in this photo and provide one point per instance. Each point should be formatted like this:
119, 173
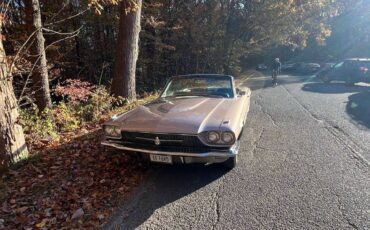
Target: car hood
178, 115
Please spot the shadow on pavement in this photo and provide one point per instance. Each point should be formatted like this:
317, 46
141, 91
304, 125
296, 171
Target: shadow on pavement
333, 88
358, 107
358, 104
170, 183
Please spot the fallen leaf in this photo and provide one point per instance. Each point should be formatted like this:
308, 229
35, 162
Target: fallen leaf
101, 216
77, 214
41, 224
21, 210
45, 141
36, 169
5, 208
48, 212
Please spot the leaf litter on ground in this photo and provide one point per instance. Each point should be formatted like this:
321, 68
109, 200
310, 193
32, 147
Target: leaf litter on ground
72, 183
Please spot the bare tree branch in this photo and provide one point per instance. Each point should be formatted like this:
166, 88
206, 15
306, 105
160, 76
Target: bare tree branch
72, 34
62, 33
68, 18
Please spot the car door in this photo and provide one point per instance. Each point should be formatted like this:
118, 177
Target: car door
337, 71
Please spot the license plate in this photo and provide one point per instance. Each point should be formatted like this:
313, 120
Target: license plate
161, 159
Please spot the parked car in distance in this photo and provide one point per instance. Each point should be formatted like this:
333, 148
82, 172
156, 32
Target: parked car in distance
196, 119
287, 67
306, 68
261, 67
327, 65
351, 71
325, 68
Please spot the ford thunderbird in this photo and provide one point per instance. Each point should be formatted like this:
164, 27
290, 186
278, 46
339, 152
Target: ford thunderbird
196, 119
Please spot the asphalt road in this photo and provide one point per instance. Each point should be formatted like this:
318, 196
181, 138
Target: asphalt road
304, 164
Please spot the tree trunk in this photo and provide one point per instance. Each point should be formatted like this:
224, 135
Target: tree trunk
12, 144
40, 78
228, 38
127, 52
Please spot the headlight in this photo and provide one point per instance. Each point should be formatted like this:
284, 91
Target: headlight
112, 131
213, 137
227, 137
218, 138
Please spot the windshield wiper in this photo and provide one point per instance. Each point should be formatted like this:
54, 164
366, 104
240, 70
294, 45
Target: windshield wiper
210, 95
198, 95
180, 95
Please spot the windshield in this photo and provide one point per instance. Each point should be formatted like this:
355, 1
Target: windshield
338, 65
207, 86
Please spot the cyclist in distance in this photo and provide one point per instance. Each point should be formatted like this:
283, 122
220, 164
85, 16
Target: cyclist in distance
276, 68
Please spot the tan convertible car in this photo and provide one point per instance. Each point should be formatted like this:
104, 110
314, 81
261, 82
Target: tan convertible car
196, 119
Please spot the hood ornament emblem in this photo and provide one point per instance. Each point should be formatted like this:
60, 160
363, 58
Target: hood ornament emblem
157, 141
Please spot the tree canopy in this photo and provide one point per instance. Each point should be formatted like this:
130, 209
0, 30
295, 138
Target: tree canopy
177, 36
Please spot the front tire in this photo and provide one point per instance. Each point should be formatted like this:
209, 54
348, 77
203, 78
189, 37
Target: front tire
231, 162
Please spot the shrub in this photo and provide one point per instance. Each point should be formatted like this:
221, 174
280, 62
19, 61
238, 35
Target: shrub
66, 118
80, 102
74, 91
38, 125
99, 102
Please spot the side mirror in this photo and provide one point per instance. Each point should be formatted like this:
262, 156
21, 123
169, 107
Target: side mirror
240, 92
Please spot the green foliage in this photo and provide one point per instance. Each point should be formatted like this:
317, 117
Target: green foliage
100, 102
66, 117
38, 125
69, 114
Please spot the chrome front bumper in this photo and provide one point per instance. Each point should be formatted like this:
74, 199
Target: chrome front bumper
232, 152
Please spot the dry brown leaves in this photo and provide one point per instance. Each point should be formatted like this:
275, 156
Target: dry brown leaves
74, 183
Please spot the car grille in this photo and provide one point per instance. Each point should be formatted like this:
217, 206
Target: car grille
168, 142
165, 139
175, 149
